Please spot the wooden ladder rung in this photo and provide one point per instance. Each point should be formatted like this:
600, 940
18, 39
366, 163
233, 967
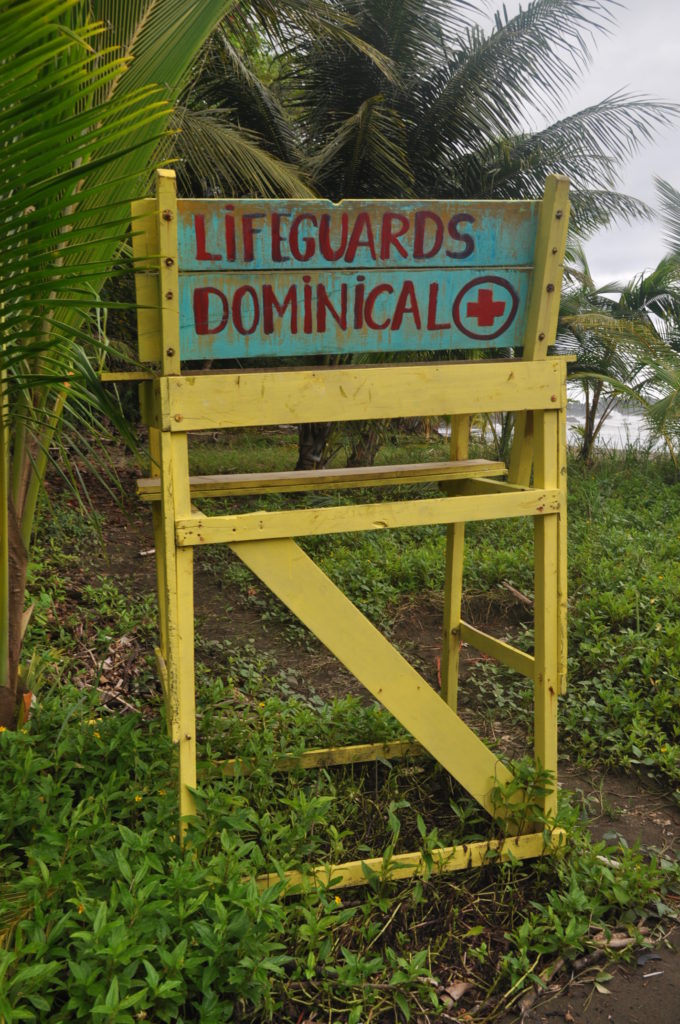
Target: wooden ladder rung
234, 484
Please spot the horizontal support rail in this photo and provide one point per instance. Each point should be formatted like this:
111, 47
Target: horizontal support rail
235, 484
509, 656
406, 865
251, 526
269, 398
328, 757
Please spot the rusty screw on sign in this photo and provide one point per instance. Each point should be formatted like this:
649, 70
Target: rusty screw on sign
169, 295
178, 417
550, 288
167, 214
558, 215
170, 352
169, 262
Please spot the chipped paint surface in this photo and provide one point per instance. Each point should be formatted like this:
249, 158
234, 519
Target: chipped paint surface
281, 278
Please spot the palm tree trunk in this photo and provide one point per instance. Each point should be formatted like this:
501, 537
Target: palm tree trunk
312, 442
366, 445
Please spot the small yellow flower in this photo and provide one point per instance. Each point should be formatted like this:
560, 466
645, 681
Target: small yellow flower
3, 728
138, 799
97, 735
92, 721
338, 900
663, 748
173, 839
161, 792
652, 600
81, 908
660, 577
261, 703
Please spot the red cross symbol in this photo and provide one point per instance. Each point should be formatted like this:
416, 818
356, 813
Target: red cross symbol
485, 309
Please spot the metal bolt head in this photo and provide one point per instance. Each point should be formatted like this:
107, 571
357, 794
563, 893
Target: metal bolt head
554, 250
553, 398
558, 214
178, 417
167, 214
170, 352
169, 295
169, 262
550, 288
541, 336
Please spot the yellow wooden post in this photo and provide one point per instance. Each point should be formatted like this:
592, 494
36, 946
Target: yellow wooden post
547, 646
176, 502
544, 307
453, 583
562, 543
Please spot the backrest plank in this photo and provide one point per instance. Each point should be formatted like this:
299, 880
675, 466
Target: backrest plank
267, 398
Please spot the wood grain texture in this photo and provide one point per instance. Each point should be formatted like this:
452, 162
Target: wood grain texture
277, 234
268, 398
250, 526
235, 484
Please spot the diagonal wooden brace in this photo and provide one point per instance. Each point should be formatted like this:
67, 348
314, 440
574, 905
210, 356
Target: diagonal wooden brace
319, 604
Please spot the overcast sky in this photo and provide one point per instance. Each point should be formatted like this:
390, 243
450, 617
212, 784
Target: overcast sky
641, 55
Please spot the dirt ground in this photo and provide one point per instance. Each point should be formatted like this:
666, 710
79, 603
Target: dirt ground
639, 992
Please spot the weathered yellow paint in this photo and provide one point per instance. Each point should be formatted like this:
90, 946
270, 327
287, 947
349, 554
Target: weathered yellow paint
217, 402
562, 556
249, 526
162, 674
328, 757
407, 865
546, 611
125, 376
544, 307
510, 656
307, 591
145, 247
168, 270
237, 484
453, 577
186, 703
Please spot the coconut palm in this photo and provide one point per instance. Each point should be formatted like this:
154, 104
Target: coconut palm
454, 119
87, 89
622, 336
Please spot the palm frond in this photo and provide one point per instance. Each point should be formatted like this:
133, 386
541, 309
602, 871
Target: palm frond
227, 160
670, 205
366, 149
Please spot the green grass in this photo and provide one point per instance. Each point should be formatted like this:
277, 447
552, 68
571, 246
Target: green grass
103, 917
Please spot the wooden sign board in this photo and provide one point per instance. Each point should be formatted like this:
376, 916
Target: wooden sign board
285, 278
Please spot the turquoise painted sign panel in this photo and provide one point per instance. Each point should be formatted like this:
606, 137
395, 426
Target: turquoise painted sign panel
290, 277
250, 234
224, 316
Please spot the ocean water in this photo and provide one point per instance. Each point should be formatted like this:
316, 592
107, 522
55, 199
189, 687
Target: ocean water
622, 428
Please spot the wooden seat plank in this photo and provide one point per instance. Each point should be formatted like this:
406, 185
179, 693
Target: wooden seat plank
235, 484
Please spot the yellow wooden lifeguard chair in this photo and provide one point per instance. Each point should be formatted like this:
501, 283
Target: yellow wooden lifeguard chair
265, 280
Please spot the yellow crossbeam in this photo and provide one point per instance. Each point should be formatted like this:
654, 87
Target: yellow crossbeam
406, 865
248, 526
505, 653
328, 757
267, 398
